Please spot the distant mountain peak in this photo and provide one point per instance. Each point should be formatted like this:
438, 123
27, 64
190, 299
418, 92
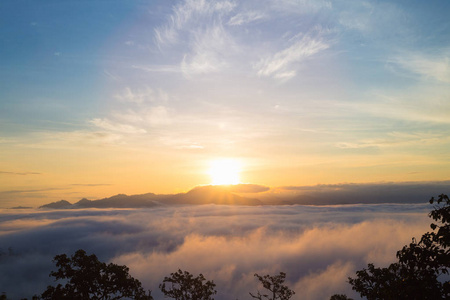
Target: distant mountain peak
62, 204
208, 194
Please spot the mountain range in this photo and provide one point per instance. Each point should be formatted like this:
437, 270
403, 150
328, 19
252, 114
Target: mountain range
252, 194
199, 195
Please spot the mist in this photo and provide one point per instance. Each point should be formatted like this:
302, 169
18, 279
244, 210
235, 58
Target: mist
318, 247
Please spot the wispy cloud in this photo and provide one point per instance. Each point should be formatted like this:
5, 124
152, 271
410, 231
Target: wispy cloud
246, 17
300, 6
190, 147
19, 173
284, 64
196, 30
142, 95
421, 104
248, 188
209, 49
71, 139
90, 184
398, 139
111, 76
158, 68
136, 111
187, 12
143, 117
27, 191
374, 20
436, 67
116, 127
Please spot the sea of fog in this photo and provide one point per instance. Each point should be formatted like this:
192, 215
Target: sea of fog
317, 246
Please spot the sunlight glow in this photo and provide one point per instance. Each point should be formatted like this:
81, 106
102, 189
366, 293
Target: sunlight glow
224, 172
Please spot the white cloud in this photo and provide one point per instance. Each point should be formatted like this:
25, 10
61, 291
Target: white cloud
195, 30
246, 17
142, 117
116, 127
158, 68
72, 139
300, 6
318, 247
436, 67
422, 103
190, 147
397, 139
187, 12
181, 142
209, 49
375, 20
140, 96
158, 115
282, 64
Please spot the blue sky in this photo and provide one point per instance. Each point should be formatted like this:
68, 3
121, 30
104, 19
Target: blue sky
138, 96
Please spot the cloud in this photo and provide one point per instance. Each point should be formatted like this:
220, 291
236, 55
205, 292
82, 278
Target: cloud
208, 49
419, 104
345, 193
111, 75
248, 188
395, 139
116, 127
377, 21
190, 147
436, 67
158, 68
205, 35
137, 109
141, 96
19, 173
358, 16
322, 284
318, 247
26, 191
300, 6
91, 184
187, 12
283, 64
72, 139
158, 115
195, 30
246, 17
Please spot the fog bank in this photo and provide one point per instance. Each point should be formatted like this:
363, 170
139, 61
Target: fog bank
318, 247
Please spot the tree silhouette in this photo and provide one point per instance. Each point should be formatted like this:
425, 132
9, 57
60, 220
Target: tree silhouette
184, 286
274, 284
340, 297
86, 277
420, 264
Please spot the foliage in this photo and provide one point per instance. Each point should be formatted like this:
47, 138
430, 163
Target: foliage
184, 286
340, 297
274, 284
420, 265
86, 277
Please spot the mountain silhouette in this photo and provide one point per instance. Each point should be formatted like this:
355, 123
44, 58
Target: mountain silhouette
58, 205
211, 194
219, 195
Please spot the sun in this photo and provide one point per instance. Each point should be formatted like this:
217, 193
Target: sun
224, 172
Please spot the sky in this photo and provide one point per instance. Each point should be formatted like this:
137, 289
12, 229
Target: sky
318, 247
105, 97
